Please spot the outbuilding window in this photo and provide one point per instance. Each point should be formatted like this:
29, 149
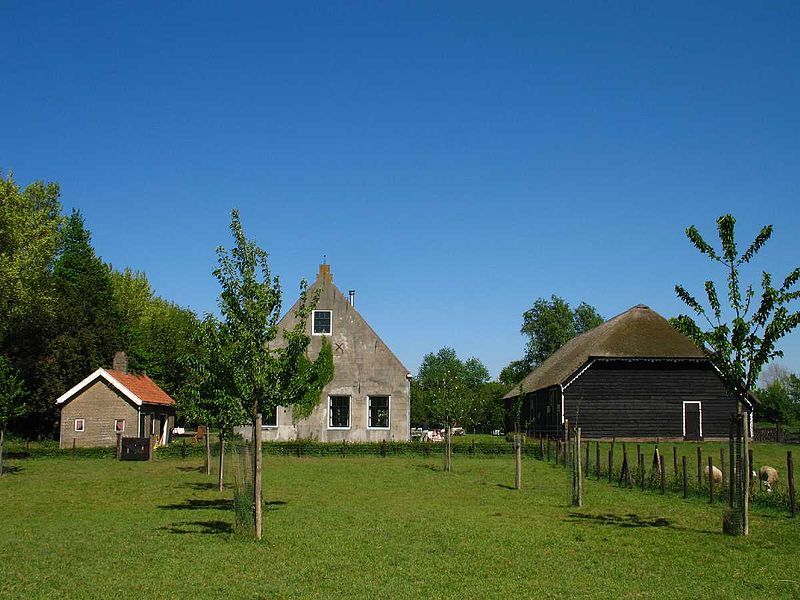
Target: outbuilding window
119, 425
378, 412
270, 418
339, 412
80, 425
322, 322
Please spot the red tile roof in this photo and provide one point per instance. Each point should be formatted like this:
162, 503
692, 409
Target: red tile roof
143, 387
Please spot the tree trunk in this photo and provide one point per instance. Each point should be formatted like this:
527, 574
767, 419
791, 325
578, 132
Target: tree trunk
2, 439
208, 450
221, 460
517, 461
257, 475
446, 447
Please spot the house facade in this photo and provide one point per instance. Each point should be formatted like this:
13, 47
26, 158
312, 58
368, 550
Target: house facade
369, 397
633, 377
112, 401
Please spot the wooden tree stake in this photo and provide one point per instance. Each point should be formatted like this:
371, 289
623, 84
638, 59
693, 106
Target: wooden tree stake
257, 504
790, 476
208, 450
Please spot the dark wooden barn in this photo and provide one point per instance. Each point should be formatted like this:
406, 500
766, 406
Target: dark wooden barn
633, 377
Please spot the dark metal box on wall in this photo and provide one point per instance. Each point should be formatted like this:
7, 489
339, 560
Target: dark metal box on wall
136, 449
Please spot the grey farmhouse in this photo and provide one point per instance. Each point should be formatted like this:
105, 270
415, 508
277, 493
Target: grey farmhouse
369, 398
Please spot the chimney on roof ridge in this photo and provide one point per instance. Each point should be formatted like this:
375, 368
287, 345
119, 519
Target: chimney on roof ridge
120, 362
325, 274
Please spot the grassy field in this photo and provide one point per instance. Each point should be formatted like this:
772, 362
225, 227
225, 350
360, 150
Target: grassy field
370, 526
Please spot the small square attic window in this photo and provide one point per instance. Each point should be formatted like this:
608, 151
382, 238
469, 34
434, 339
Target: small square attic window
80, 425
322, 322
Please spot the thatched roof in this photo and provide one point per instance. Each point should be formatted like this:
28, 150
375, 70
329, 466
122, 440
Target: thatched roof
637, 333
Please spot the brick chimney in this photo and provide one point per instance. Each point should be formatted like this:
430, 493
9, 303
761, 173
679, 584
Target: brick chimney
325, 274
120, 361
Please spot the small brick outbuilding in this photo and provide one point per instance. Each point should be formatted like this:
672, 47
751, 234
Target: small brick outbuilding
111, 401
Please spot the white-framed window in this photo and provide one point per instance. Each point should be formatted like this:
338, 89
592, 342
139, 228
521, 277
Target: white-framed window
80, 425
378, 412
119, 425
321, 322
270, 419
338, 412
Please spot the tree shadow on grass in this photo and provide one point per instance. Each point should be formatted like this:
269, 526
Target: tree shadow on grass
12, 470
199, 469
203, 527
629, 520
506, 487
274, 504
426, 467
197, 504
202, 486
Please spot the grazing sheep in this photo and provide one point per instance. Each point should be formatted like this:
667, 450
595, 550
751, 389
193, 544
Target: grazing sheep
769, 476
717, 474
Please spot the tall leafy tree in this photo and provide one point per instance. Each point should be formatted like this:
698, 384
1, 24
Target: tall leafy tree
12, 394
29, 235
86, 329
742, 336
548, 325
448, 388
267, 372
156, 333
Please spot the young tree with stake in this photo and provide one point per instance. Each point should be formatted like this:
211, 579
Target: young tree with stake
266, 372
743, 337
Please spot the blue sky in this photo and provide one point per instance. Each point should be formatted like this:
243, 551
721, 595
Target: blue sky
454, 161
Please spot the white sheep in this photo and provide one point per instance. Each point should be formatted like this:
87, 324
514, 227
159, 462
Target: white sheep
769, 476
716, 472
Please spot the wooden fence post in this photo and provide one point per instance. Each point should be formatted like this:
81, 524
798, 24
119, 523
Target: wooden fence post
710, 480
641, 470
699, 467
722, 468
517, 462
685, 477
597, 458
119, 445
790, 476
662, 474
610, 464
587, 457
675, 461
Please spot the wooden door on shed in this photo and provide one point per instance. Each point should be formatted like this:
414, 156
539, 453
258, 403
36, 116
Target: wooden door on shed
691, 421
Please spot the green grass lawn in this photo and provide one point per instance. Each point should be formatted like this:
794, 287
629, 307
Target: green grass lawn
366, 527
